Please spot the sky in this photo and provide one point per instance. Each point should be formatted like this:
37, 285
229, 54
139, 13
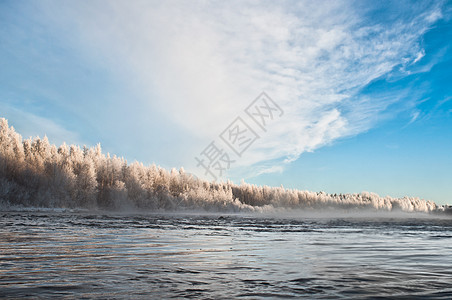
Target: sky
357, 94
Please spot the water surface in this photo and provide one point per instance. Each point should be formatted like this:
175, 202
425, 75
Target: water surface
99, 255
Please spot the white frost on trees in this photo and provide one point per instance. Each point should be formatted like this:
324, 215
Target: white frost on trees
35, 173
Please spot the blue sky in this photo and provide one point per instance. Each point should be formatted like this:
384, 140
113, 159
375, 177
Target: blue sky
365, 87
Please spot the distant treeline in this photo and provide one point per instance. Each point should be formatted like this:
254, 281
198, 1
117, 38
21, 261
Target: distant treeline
35, 173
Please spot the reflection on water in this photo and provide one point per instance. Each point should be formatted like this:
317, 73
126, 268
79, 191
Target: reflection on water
216, 257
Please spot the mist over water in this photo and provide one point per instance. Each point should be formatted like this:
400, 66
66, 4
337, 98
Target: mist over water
216, 256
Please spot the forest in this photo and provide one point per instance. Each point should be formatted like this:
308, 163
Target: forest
35, 173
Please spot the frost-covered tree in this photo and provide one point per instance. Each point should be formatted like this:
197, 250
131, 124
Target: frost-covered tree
35, 173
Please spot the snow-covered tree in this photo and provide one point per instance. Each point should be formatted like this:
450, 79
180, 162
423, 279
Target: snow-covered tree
36, 173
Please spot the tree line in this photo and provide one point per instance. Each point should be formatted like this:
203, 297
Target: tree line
35, 173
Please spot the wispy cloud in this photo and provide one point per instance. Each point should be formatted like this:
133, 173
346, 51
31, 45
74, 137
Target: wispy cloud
414, 116
206, 61
31, 125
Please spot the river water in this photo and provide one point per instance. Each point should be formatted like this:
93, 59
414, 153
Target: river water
161, 256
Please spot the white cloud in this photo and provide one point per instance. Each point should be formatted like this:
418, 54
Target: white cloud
414, 116
419, 56
207, 60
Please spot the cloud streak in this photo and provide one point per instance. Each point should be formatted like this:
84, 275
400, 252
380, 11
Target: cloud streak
203, 62
32, 126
